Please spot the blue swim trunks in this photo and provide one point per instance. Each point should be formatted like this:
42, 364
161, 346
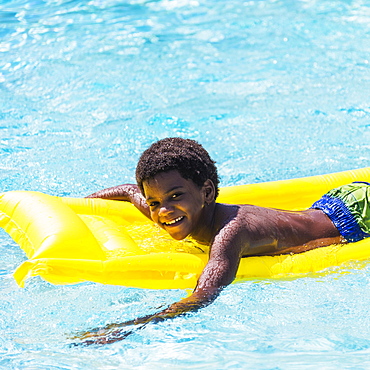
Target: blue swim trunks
348, 207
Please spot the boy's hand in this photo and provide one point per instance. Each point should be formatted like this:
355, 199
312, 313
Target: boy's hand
123, 192
116, 332
126, 192
105, 335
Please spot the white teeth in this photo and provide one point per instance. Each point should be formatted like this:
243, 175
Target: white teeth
174, 221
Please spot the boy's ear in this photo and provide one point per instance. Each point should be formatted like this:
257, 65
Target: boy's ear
209, 191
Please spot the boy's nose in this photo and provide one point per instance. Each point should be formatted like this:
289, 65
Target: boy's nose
165, 209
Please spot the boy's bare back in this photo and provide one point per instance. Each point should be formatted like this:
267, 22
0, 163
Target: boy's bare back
269, 231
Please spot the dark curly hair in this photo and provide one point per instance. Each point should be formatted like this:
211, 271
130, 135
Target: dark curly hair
184, 155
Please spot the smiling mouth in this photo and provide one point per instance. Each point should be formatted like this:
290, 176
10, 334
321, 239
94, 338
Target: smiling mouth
173, 222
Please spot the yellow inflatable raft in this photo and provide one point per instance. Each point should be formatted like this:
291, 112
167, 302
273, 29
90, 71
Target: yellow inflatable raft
72, 240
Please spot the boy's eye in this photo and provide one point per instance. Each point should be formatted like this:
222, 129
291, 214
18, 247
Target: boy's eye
176, 195
152, 204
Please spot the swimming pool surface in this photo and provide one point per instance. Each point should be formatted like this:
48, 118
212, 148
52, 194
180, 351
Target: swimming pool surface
274, 89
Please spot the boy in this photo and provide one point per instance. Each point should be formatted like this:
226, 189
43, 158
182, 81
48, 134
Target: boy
177, 189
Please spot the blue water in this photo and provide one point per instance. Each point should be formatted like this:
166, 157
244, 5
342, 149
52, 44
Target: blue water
274, 89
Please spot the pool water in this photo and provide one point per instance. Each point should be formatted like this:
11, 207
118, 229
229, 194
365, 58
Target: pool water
274, 89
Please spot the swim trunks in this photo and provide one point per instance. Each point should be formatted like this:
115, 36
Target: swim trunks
348, 207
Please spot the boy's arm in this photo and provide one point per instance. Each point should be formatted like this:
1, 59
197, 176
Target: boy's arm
126, 192
218, 273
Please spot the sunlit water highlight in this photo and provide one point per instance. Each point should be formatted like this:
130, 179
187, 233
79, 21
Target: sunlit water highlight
274, 89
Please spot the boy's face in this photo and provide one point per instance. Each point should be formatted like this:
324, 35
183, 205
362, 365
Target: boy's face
176, 204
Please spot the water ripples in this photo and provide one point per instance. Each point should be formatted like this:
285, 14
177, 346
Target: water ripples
273, 89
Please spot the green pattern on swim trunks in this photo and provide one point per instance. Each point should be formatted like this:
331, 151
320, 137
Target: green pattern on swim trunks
356, 197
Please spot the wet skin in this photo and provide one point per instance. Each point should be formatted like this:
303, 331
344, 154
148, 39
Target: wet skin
184, 209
